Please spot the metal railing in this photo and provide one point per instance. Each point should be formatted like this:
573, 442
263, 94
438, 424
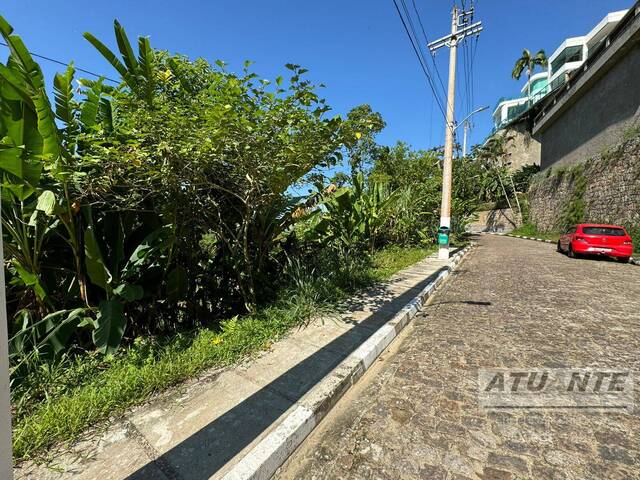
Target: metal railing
516, 111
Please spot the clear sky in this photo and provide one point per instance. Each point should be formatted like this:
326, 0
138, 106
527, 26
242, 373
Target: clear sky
358, 48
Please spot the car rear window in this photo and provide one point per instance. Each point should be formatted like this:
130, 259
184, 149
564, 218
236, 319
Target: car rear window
614, 232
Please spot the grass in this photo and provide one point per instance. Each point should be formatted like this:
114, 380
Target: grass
393, 259
528, 230
61, 401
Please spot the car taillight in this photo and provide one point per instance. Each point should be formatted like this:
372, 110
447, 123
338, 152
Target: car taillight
627, 242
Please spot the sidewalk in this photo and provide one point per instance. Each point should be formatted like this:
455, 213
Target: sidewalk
202, 428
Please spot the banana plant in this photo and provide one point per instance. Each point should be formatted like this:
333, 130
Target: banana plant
28, 225
376, 201
353, 216
137, 73
31, 140
118, 277
47, 337
24, 82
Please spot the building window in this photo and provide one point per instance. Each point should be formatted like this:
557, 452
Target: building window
569, 54
538, 84
515, 110
557, 82
597, 47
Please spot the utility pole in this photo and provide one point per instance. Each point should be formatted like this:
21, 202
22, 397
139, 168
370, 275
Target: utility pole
465, 123
464, 138
461, 27
6, 462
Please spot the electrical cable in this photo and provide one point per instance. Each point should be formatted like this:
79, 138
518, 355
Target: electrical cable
424, 69
53, 60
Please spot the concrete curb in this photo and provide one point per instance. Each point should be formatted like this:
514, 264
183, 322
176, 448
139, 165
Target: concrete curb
521, 236
261, 462
632, 261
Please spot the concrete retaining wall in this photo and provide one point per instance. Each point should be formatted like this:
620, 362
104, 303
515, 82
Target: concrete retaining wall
598, 109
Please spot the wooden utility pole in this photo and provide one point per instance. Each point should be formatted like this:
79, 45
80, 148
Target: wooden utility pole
460, 28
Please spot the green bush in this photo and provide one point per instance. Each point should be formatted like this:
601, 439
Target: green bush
574, 211
59, 400
139, 218
154, 207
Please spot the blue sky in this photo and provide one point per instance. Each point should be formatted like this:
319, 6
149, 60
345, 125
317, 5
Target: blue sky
358, 48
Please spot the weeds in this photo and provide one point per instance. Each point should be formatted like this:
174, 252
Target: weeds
57, 402
528, 230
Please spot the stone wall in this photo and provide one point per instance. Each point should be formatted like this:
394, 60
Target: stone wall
603, 189
498, 220
522, 149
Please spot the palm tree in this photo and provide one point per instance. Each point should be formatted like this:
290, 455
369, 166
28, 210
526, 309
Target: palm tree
529, 62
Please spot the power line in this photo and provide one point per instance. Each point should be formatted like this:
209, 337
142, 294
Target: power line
424, 59
426, 38
469, 49
421, 52
474, 50
53, 60
419, 46
467, 75
466, 100
424, 69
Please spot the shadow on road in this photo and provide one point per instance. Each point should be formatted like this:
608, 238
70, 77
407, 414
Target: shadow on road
206, 451
465, 302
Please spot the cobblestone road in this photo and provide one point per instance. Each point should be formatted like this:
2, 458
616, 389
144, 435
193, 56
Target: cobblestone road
513, 303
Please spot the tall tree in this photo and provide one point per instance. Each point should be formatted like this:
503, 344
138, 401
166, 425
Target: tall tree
529, 62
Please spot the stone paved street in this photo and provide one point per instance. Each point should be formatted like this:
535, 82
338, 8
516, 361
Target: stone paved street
513, 303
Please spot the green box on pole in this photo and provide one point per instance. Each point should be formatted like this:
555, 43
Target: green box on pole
443, 235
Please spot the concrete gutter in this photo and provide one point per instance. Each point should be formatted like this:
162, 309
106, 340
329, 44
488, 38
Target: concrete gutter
261, 462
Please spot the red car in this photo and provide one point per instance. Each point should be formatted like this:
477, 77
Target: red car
595, 239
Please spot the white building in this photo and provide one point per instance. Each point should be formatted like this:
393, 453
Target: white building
569, 56
508, 109
572, 53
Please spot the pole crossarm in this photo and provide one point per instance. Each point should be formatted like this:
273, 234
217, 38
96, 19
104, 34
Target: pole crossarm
448, 40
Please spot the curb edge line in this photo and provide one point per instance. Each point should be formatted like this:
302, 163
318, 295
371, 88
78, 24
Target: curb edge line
262, 461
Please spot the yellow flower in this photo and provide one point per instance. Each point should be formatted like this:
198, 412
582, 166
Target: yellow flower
217, 341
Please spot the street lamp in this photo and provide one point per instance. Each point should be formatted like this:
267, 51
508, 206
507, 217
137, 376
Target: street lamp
465, 122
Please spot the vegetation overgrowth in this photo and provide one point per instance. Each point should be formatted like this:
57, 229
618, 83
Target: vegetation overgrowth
148, 222
84, 389
529, 230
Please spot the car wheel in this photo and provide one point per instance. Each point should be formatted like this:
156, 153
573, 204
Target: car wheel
571, 253
623, 259
559, 247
